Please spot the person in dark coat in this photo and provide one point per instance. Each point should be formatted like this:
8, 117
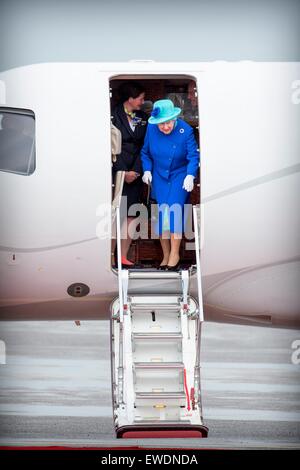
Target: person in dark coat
132, 122
170, 159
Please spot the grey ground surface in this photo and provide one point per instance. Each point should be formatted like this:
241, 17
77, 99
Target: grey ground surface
55, 387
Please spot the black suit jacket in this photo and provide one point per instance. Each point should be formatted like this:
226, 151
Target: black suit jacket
129, 159
132, 141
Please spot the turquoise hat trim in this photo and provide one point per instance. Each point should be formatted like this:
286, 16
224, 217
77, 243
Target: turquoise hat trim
163, 110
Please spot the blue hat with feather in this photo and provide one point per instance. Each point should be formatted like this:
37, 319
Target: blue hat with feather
163, 110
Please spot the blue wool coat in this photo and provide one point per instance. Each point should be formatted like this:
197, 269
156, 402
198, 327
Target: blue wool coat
170, 158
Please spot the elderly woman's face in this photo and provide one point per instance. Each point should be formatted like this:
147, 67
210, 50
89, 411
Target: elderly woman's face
167, 127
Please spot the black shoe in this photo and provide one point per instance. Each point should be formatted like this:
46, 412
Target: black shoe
173, 268
162, 267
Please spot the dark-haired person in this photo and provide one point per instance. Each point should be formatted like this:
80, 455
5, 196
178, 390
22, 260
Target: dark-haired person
132, 122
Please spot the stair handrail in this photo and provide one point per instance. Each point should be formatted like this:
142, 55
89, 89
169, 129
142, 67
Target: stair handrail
121, 310
197, 250
200, 319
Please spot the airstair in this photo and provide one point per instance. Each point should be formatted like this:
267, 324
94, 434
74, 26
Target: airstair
155, 345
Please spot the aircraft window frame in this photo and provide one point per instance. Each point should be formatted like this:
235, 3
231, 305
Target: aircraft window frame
28, 132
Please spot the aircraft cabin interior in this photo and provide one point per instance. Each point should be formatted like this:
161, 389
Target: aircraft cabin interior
182, 90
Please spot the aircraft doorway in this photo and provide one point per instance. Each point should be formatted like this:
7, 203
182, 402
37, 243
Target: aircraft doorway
146, 251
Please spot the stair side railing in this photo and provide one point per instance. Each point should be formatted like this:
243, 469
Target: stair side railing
116, 219
121, 311
200, 319
198, 265
119, 263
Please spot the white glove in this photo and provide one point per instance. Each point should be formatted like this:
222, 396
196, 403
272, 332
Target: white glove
147, 177
188, 183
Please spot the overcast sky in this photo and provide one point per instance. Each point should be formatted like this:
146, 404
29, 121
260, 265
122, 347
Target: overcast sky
33, 31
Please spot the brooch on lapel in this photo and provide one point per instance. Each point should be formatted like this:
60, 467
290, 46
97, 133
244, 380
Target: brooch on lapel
136, 121
181, 131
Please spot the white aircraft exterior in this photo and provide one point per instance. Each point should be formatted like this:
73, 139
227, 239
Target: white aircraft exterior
249, 119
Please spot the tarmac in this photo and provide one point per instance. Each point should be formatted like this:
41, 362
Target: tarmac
55, 387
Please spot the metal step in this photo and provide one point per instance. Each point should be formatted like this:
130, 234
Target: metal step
161, 421
143, 274
159, 307
154, 273
160, 336
158, 365
160, 395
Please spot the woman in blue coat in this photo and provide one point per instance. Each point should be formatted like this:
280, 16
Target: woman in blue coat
170, 159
